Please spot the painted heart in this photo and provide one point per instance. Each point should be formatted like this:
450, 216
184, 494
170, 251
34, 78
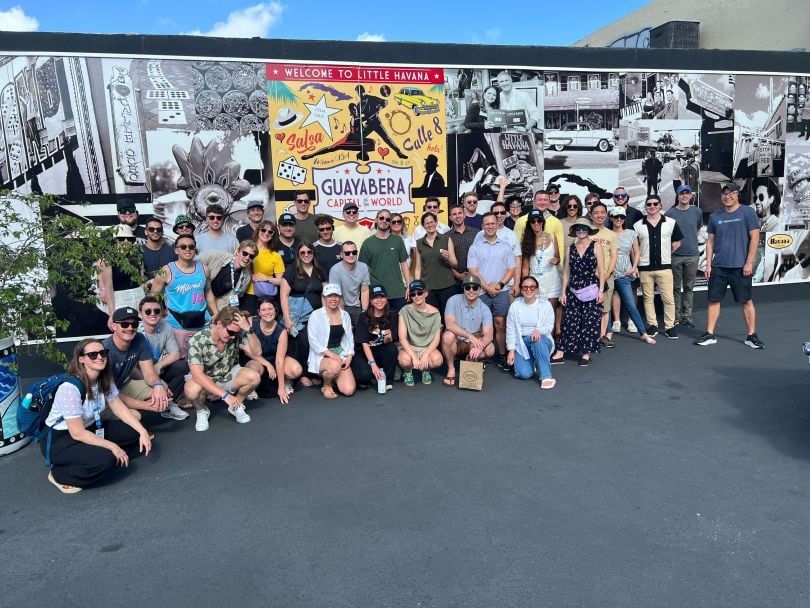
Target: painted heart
280, 136
383, 151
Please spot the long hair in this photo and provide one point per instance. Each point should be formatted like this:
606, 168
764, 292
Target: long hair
299, 266
528, 244
383, 320
563, 212
264, 224
76, 369
495, 104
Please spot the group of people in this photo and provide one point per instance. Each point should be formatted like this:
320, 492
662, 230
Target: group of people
300, 301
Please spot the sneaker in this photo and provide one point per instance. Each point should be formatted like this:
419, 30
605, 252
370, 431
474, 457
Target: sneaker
631, 327
240, 414
688, 322
407, 378
606, 342
754, 342
252, 396
500, 361
202, 419
617, 327
671, 333
706, 339
652, 330
174, 413
426, 378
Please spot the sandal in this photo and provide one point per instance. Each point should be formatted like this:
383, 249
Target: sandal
328, 392
63, 487
548, 383
557, 360
647, 339
583, 362
449, 381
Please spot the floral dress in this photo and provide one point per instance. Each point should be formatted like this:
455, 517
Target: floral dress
581, 320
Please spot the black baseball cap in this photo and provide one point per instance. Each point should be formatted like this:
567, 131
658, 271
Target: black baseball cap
287, 218
122, 314
126, 205
349, 206
731, 187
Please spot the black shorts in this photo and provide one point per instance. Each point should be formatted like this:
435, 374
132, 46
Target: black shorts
722, 278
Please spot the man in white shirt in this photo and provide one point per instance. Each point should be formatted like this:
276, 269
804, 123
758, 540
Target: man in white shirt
512, 99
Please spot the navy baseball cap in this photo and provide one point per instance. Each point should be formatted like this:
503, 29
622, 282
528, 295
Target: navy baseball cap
684, 188
287, 218
417, 284
377, 291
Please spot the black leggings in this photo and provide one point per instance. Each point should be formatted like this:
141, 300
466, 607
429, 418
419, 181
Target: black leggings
385, 356
79, 464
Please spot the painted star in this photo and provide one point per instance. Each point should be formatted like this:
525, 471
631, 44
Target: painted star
320, 113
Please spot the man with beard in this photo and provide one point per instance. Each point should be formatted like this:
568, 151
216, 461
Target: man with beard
387, 261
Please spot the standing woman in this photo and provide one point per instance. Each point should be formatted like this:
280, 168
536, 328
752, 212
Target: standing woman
83, 449
301, 290
583, 283
398, 228
624, 273
528, 335
419, 335
435, 258
331, 345
268, 268
541, 258
376, 336
274, 366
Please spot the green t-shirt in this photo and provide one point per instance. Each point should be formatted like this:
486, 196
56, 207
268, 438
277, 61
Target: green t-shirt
384, 258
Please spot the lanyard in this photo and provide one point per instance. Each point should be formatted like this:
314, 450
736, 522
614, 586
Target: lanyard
98, 400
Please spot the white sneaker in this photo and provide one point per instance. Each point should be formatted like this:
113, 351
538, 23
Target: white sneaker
252, 396
202, 419
240, 414
631, 327
617, 327
174, 413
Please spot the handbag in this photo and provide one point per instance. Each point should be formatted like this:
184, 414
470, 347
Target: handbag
265, 289
587, 293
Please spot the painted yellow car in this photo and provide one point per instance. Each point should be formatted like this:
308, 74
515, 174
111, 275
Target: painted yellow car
416, 100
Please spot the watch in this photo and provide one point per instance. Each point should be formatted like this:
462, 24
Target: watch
500, 285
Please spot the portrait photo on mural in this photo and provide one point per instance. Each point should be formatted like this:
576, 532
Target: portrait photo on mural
364, 135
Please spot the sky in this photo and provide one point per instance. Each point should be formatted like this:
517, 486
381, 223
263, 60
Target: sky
530, 22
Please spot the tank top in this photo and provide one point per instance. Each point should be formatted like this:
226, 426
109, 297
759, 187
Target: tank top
185, 292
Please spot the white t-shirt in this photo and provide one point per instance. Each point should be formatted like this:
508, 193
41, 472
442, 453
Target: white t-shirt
67, 404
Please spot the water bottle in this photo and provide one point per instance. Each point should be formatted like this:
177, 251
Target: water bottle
381, 382
27, 400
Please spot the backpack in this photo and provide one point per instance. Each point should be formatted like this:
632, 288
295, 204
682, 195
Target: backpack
31, 416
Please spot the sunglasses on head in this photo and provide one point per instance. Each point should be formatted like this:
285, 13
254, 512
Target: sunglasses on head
247, 254
95, 354
350, 252
151, 311
215, 217
418, 292
128, 324
472, 287
154, 229
186, 247
620, 196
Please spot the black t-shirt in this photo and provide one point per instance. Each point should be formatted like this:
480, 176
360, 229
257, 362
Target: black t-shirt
309, 287
124, 361
287, 253
373, 334
327, 256
155, 260
244, 233
221, 284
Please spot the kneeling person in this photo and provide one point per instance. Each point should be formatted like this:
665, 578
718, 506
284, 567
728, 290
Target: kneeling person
469, 328
213, 358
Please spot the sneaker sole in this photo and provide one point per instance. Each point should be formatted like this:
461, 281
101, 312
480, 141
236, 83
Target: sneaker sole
672, 337
754, 346
706, 342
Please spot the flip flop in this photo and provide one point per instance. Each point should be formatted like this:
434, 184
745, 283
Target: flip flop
548, 383
449, 381
63, 487
328, 392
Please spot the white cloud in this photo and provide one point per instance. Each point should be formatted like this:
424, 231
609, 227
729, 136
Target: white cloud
253, 21
763, 92
15, 20
366, 37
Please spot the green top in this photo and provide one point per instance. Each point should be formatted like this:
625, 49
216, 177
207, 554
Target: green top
383, 257
422, 326
436, 271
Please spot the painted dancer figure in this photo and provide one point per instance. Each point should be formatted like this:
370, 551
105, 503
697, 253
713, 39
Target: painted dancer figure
355, 139
370, 106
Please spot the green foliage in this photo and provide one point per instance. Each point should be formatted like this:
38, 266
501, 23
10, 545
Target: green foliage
43, 251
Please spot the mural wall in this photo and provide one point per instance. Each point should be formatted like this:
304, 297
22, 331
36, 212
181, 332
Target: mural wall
174, 135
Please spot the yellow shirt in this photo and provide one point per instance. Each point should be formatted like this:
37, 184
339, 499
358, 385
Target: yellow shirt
268, 262
357, 235
553, 227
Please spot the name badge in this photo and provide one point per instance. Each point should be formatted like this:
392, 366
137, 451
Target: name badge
100, 433
233, 300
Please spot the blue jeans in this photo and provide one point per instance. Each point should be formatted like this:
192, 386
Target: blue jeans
539, 356
623, 287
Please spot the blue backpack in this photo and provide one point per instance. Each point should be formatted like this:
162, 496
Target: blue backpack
31, 416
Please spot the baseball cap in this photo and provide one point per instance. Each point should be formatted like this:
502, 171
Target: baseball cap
535, 213
350, 206
731, 187
618, 211
416, 284
332, 289
287, 218
126, 205
124, 313
378, 290
684, 188
253, 204
553, 188
471, 279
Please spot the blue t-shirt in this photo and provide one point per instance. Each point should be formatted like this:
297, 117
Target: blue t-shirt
124, 361
689, 221
731, 235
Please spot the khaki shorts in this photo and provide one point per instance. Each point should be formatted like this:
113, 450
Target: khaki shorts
607, 302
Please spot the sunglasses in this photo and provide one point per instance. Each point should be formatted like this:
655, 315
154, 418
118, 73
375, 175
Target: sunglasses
324, 228
417, 292
383, 218
186, 247
185, 227
528, 287
536, 221
618, 217
651, 204
128, 324
396, 222
431, 208
151, 311
351, 212
352, 252
95, 354
581, 229
246, 254
154, 229
305, 252
471, 202
499, 212
266, 230
589, 203
214, 217
619, 196
572, 206
302, 201
471, 288
233, 333
516, 205
125, 239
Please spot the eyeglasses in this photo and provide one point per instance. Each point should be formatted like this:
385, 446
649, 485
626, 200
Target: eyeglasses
95, 354
471, 287
233, 333
185, 227
652, 204
499, 212
396, 222
350, 211
128, 324
417, 292
186, 247
529, 287
620, 196
214, 217
325, 228
247, 254
266, 230
125, 239
305, 252
154, 229
151, 311
350, 252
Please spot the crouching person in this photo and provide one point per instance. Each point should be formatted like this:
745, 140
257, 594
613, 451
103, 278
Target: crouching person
213, 358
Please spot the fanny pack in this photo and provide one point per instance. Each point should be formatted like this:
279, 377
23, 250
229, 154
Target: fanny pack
194, 319
587, 293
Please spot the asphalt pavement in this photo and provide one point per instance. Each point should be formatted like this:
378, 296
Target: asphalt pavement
666, 475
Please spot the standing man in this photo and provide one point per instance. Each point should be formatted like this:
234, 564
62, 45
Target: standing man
213, 357
508, 236
622, 199
469, 330
685, 258
492, 260
255, 213
128, 214
127, 350
554, 199
431, 206
730, 251
156, 251
286, 242
609, 242
351, 230
354, 280
305, 228
327, 249
463, 237
512, 99
652, 173
387, 261
658, 237
471, 218
215, 238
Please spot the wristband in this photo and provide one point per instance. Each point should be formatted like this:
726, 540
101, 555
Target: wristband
371, 361
158, 384
225, 395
